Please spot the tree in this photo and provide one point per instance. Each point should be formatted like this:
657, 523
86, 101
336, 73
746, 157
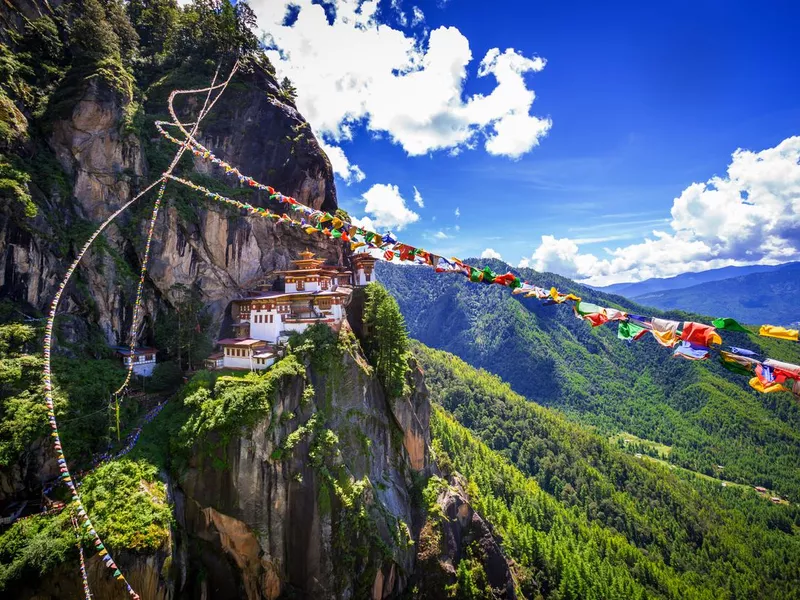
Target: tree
386, 339
288, 89
182, 332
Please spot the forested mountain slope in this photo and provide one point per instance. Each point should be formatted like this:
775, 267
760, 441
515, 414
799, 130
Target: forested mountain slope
585, 520
707, 415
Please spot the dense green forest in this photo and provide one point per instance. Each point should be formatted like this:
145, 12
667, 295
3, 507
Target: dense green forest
707, 415
586, 520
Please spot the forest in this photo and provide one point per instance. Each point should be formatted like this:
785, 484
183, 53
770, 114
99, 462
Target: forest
707, 415
586, 520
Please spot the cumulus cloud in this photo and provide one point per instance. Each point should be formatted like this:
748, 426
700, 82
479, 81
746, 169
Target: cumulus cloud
341, 164
490, 253
749, 216
356, 71
458, 212
386, 208
418, 198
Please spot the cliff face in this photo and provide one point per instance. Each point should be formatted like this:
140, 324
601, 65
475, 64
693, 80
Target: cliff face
103, 163
332, 516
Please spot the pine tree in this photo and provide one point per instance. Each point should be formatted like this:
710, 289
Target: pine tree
387, 339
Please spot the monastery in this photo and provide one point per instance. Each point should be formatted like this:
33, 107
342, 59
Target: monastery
263, 320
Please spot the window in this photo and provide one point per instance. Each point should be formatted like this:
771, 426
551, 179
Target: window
366, 276
301, 285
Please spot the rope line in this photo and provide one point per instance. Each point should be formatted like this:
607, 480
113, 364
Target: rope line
48, 338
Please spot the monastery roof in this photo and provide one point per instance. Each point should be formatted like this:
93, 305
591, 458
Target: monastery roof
126, 350
275, 295
216, 356
263, 354
327, 269
240, 342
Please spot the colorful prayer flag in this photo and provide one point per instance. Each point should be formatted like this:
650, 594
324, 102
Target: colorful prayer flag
691, 351
702, 335
779, 332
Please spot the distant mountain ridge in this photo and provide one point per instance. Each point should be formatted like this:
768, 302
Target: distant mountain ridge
756, 298
684, 280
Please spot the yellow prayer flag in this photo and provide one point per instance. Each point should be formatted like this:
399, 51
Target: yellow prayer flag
779, 332
756, 384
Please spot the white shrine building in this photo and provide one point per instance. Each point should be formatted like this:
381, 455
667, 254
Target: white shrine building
143, 359
314, 293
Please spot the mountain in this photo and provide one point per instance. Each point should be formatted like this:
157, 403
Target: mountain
684, 280
582, 518
698, 414
767, 297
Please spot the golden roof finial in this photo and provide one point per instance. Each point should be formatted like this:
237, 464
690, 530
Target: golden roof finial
307, 254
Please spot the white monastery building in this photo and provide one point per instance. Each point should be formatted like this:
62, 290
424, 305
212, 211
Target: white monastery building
314, 293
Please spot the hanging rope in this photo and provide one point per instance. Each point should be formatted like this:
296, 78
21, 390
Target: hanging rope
48, 338
86, 591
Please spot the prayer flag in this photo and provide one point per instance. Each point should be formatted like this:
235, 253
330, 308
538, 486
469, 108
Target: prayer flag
691, 351
615, 315
737, 364
697, 333
756, 384
779, 332
742, 351
665, 332
728, 324
790, 370
630, 331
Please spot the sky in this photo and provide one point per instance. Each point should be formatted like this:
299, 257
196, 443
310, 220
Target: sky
606, 142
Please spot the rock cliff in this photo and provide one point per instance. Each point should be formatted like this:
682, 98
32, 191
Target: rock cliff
95, 162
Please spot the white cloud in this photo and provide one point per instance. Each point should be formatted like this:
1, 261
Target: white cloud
524, 263
441, 235
749, 216
356, 71
397, 7
418, 17
490, 253
340, 163
364, 223
458, 212
418, 198
387, 208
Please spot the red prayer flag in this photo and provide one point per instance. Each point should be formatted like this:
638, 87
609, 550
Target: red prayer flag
699, 334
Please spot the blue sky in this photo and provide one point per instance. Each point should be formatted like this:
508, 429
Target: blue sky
633, 105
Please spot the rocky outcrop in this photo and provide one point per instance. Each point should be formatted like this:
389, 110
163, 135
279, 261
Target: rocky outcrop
455, 532
263, 520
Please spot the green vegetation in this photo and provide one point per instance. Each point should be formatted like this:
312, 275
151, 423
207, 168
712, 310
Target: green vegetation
707, 415
586, 520
128, 504
386, 343
32, 547
234, 402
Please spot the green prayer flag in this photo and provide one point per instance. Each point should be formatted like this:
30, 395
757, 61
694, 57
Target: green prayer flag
587, 308
515, 284
728, 324
628, 330
488, 275
336, 233
475, 275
